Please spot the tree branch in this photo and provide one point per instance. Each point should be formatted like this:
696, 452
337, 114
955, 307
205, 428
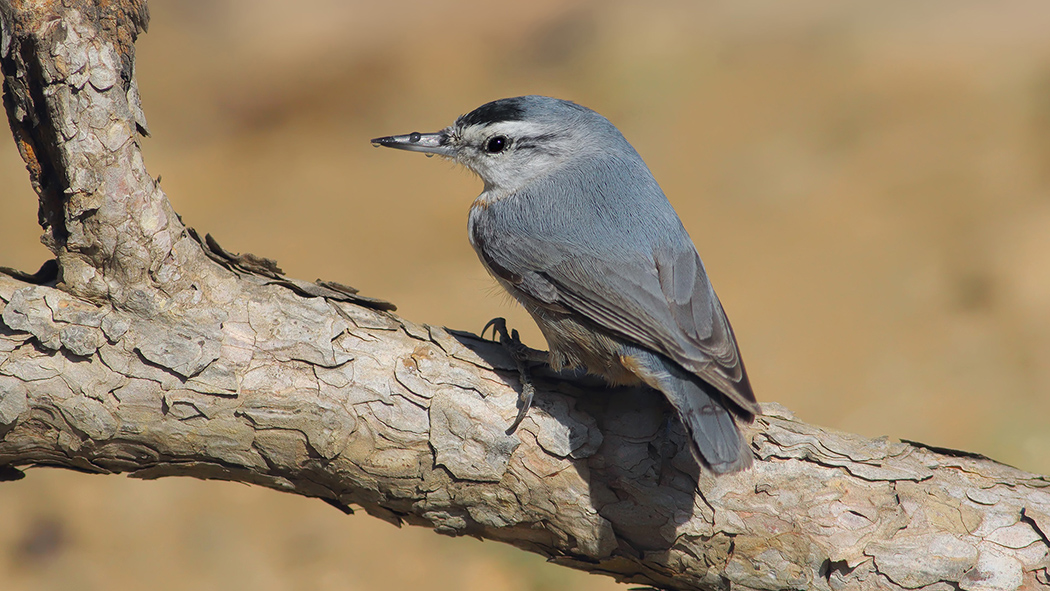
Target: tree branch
154, 353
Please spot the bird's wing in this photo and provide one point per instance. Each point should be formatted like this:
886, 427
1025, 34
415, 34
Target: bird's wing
657, 297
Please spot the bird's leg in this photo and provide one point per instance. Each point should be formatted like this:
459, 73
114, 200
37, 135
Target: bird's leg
520, 353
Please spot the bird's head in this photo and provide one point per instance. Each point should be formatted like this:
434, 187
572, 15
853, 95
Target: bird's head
510, 142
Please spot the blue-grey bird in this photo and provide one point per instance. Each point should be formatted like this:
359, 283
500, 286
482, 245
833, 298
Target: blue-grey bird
572, 224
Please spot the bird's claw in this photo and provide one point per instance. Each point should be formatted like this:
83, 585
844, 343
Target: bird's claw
524, 403
498, 326
519, 352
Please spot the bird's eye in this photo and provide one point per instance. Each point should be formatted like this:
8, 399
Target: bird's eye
497, 144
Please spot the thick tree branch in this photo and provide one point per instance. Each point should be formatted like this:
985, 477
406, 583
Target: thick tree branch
154, 354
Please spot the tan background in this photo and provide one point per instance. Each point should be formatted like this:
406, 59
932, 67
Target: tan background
869, 185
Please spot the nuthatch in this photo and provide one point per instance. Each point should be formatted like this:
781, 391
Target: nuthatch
572, 224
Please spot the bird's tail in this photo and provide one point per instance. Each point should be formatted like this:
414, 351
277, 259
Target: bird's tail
701, 408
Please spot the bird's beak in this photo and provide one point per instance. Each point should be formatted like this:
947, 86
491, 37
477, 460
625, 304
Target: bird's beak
430, 143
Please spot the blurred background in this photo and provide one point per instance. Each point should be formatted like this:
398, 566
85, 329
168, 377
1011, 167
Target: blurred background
868, 183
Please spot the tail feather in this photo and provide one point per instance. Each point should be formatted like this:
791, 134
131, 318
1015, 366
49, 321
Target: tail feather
716, 439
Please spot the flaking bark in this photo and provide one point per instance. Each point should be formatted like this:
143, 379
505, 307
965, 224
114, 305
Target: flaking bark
154, 353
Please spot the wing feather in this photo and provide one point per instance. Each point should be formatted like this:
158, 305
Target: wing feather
628, 299
623, 262
679, 317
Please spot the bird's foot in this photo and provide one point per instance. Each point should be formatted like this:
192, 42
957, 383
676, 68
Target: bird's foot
521, 355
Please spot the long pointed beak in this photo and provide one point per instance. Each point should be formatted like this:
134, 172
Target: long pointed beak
430, 143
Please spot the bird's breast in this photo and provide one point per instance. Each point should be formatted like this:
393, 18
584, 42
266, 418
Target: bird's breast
489, 196
479, 232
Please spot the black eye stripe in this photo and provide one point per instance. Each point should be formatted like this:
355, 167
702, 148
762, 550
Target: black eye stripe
545, 142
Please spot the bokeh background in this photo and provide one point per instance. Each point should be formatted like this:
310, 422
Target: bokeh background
868, 183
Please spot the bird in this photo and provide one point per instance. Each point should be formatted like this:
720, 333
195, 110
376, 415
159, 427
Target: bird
572, 223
